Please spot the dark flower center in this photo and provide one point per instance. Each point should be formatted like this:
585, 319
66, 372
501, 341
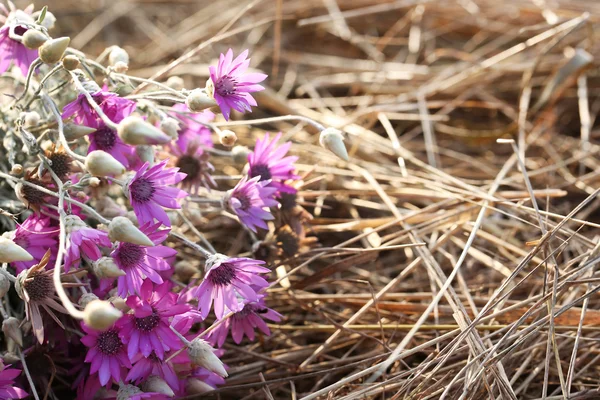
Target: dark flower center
223, 275
31, 194
189, 165
105, 138
288, 242
226, 86
130, 254
148, 323
61, 164
287, 201
109, 343
20, 30
38, 286
141, 190
244, 201
261, 170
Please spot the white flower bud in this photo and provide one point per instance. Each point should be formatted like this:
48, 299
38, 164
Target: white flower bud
11, 252
95, 182
49, 19
73, 223
53, 50
73, 131
106, 267
86, 299
17, 169
118, 54
31, 118
156, 384
119, 303
120, 67
333, 140
121, 229
201, 353
197, 386
145, 153
126, 392
198, 100
100, 163
70, 62
175, 82
100, 314
170, 126
227, 137
32, 39
4, 285
240, 154
134, 130
10, 327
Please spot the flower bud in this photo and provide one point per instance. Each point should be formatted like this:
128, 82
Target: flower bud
11, 252
4, 285
121, 229
197, 386
198, 100
10, 358
49, 19
134, 130
70, 62
118, 54
31, 118
333, 140
240, 154
170, 126
53, 50
227, 137
201, 353
175, 82
106, 267
94, 182
73, 131
100, 314
157, 385
127, 392
86, 299
145, 153
17, 169
120, 67
32, 39
100, 163
10, 327
119, 303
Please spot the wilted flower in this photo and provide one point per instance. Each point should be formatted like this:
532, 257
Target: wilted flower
226, 279
7, 378
231, 84
11, 49
269, 162
149, 191
114, 107
248, 200
141, 262
82, 238
106, 354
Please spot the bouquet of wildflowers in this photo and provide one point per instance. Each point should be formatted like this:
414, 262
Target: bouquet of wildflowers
103, 179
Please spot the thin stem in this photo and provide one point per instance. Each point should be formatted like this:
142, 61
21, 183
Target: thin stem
36, 63
93, 103
61, 132
28, 375
273, 119
205, 253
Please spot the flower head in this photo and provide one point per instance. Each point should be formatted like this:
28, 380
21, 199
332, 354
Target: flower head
149, 191
36, 235
226, 279
248, 200
83, 239
106, 139
141, 262
244, 322
106, 354
191, 129
147, 329
114, 107
269, 162
143, 367
7, 377
12, 50
231, 84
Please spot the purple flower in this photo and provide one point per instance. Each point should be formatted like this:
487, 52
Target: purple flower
116, 108
143, 367
11, 49
106, 139
244, 322
147, 329
148, 192
82, 238
226, 279
193, 162
248, 200
232, 85
106, 354
7, 377
141, 262
269, 162
210, 378
191, 129
36, 235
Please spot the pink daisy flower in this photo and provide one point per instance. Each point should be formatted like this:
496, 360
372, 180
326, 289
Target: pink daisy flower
116, 108
232, 85
147, 329
83, 239
106, 354
143, 367
149, 191
7, 378
36, 235
226, 279
250, 200
191, 129
141, 262
244, 322
12, 51
106, 139
269, 162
